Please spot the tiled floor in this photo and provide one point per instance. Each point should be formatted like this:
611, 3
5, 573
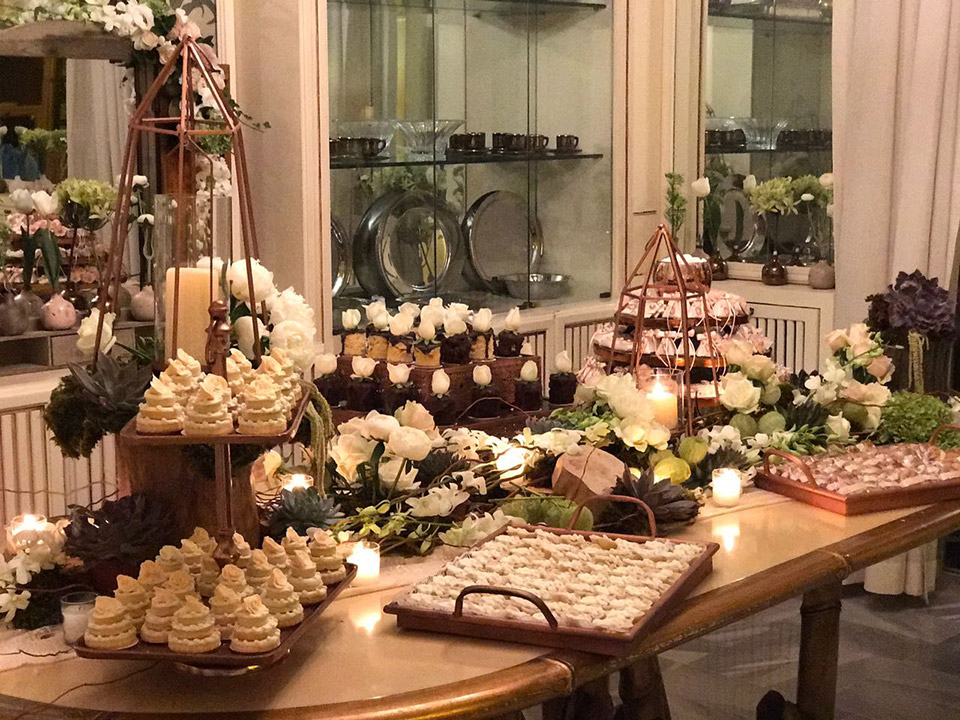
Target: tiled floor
899, 660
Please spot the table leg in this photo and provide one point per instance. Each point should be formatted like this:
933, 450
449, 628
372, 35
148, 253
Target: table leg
642, 692
819, 652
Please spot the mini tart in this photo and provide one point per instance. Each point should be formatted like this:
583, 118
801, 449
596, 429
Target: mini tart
282, 601
181, 379
207, 416
134, 598
377, 346
305, 580
427, 354
224, 605
181, 583
159, 617
109, 628
327, 563
192, 556
334, 576
354, 342
193, 629
169, 560
263, 411
255, 629
321, 545
151, 576
243, 364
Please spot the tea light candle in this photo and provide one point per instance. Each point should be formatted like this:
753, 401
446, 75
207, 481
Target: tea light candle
512, 462
298, 481
366, 556
727, 486
664, 405
25, 530
76, 608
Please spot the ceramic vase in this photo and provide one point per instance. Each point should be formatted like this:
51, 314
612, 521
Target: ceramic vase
58, 313
13, 317
143, 304
822, 276
773, 272
31, 305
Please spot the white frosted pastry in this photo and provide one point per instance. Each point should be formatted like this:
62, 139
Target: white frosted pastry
243, 364
110, 627
181, 379
322, 547
134, 598
234, 578
258, 570
182, 584
193, 629
292, 388
305, 580
203, 540
169, 560
160, 412
262, 408
192, 556
207, 413
282, 600
224, 605
190, 363
209, 576
159, 616
275, 553
255, 629
271, 369
293, 543
235, 377
244, 548
151, 576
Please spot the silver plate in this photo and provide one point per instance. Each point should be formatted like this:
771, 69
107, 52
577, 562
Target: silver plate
339, 254
501, 238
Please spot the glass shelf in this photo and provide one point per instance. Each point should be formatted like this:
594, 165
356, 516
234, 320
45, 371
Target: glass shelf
758, 11
739, 150
479, 159
498, 6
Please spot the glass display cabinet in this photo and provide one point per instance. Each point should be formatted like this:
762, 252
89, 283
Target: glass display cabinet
766, 89
470, 147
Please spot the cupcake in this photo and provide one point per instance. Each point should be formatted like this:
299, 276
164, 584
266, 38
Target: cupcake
563, 383
378, 335
354, 339
426, 350
305, 580
329, 382
254, 629
282, 600
134, 598
224, 605
401, 390
363, 393
440, 404
109, 628
259, 569
509, 340
193, 629
485, 400
481, 335
455, 345
160, 412
159, 617
400, 348
528, 393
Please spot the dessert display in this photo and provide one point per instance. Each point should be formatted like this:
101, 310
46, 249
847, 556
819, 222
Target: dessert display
354, 339
169, 560
323, 552
426, 350
363, 390
378, 335
193, 629
455, 345
305, 579
110, 628
160, 412
224, 605
208, 577
151, 576
329, 382
281, 600
486, 401
400, 349
262, 409
529, 392
723, 307
159, 617
207, 413
134, 598
563, 383
202, 539
293, 543
192, 556
243, 547
439, 403
179, 375
254, 629
509, 340
401, 390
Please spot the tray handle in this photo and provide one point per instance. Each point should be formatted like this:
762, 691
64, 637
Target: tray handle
939, 431
790, 457
615, 498
506, 592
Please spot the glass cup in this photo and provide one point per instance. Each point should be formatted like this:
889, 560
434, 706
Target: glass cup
76, 608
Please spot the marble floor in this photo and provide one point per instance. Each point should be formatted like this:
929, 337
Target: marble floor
899, 660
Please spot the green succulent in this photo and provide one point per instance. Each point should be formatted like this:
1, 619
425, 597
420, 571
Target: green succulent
129, 530
912, 417
807, 414
723, 458
551, 511
670, 503
301, 510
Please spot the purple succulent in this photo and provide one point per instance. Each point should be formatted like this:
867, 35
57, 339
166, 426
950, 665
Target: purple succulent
915, 302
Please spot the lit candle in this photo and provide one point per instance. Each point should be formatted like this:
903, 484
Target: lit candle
193, 316
25, 530
727, 486
76, 608
664, 405
512, 462
366, 556
298, 481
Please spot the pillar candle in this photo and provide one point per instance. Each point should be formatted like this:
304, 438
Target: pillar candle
664, 405
727, 486
193, 316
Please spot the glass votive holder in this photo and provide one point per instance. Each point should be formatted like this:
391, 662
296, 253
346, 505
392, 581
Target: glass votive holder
693, 269
76, 608
662, 389
727, 486
366, 556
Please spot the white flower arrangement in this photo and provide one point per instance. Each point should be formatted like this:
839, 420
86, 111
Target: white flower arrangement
42, 551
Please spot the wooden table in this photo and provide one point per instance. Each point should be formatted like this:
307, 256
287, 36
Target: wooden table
355, 664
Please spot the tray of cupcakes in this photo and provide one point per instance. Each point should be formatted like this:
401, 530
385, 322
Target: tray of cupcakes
184, 608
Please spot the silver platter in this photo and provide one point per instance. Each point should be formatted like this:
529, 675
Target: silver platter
503, 238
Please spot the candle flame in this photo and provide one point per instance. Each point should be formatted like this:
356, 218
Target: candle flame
299, 481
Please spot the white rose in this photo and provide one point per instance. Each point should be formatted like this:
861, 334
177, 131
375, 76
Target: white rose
482, 319
381, 321
562, 362
45, 203
482, 375
529, 372
750, 182
290, 305
839, 427
410, 443
243, 327
22, 201
349, 452
327, 364
392, 477
363, 367
759, 367
827, 180
398, 374
736, 352
440, 382
433, 315
700, 187
460, 310
297, 339
738, 394
411, 309
426, 330
453, 325
378, 426
512, 321
87, 334
378, 307
350, 319
400, 324
415, 415
263, 287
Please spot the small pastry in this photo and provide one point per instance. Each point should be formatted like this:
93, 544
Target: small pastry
400, 349
182, 584
509, 340
203, 540
354, 339
259, 569
455, 345
151, 576
426, 351
254, 629
190, 363
160, 412
305, 580
109, 628
156, 623
378, 337
275, 553
481, 335
169, 560
234, 578
363, 392
282, 600
235, 378
243, 364
563, 383
273, 370
401, 390
181, 379
207, 413
332, 577
330, 383
292, 389
134, 598
262, 409
208, 577
293, 543
244, 549
485, 400
193, 629
440, 404
192, 557
528, 392
323, 549
224, 605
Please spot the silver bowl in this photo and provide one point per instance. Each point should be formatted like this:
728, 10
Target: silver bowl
542, 286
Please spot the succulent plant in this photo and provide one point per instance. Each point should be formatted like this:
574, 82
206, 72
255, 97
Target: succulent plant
670, 503
129, 530
301, 510
808, 414
913, 303
727, 457
545, 424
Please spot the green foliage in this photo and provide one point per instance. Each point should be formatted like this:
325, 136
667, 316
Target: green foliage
49, 251
807, 414
129, 530
85, 203
670, 503
912, 417
811, 184
551, 511
774, 196
676, 211
301, 510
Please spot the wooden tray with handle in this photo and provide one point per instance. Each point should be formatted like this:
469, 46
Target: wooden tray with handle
854, 503
549, 632
223, 658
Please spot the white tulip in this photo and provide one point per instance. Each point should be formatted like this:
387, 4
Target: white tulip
426, 330
140, 181
410, 443
512, 321
392, 477
749, 182
482, 375
440, 383
529, 371
562, 362
411, 309
381, 321
461, 310
432, 314
453, 325
22, 200
45, 203
701, 187
435, 303
400, 324
482, 319
399, 374
375, 308
807, 197
19, 129
827, 180
350, 319
363, 367
327, 364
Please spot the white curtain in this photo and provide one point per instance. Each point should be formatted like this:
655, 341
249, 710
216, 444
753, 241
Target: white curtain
99, 105
896, 106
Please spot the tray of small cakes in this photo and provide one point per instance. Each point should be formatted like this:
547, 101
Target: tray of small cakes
184, 608
588, 591
724, 310
866, 478
185, 406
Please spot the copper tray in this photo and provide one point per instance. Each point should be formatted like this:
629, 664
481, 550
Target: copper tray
662, 323
624, 357
552, 634
855, 503
131, 436
223, 657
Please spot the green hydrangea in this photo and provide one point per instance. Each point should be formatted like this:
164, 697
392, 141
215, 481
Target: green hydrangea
86, 203
774, 196
912, 417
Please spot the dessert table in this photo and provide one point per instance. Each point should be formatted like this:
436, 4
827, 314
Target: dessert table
354, 663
